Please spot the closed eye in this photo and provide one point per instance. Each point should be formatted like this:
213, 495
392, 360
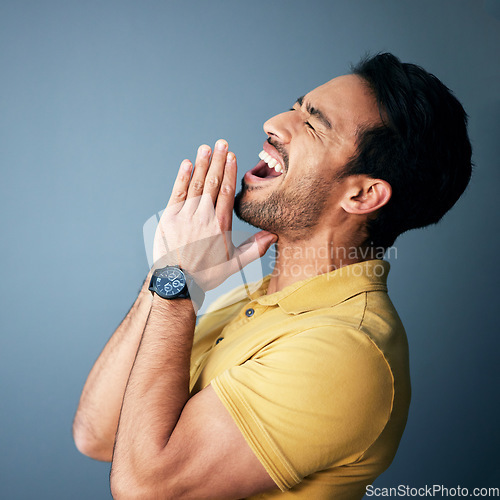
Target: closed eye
306, 123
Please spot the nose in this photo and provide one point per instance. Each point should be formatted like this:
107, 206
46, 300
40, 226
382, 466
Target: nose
280, 127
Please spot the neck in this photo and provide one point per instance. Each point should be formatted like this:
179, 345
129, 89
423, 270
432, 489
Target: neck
299, 260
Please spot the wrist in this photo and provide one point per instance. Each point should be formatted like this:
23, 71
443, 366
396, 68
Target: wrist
177, 307
172, 283
145, 285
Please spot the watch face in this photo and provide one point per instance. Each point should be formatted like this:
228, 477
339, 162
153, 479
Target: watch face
169, 282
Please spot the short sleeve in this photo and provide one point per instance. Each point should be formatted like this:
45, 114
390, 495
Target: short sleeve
311, 401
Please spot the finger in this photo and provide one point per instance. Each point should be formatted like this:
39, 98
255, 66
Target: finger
215, 173
255, 247
201, 165
180, 189
225, 198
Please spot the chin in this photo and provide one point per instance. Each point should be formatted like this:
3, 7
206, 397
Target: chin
241, 207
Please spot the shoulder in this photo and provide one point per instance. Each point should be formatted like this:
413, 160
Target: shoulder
328, 387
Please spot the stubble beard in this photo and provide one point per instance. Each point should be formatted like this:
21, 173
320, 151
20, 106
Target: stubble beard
291, 213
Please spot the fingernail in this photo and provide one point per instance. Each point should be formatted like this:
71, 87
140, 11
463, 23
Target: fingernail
273, 238
186, 165
221, 144
230, 157
204, 150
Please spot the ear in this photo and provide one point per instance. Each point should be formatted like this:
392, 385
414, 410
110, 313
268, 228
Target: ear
365, 195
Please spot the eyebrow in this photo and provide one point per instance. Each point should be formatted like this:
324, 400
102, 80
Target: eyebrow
315, 112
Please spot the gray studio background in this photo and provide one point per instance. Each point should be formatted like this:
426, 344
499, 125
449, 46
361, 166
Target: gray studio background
99, 103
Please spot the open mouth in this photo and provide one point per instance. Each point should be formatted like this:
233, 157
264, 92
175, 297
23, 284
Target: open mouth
267, 167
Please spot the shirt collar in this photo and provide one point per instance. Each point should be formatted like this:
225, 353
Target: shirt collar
326, 290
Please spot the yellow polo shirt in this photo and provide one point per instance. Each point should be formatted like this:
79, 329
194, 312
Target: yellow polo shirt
316, 377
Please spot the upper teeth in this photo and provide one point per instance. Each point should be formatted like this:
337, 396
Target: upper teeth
272, 163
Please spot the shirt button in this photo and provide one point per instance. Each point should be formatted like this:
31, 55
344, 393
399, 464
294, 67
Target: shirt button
249, 312
220, 339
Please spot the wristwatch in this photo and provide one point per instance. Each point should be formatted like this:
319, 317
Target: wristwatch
172, 282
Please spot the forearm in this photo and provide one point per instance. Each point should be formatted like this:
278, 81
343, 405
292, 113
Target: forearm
96, 419
161, 429
155, 396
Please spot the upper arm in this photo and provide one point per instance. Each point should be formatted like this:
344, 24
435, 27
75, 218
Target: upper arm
297, 407
206, 457
309, 402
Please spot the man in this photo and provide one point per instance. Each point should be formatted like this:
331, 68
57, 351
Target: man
299, 389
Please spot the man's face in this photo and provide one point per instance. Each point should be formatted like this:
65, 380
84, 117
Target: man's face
310, 144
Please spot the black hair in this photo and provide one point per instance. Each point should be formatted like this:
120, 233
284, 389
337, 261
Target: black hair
422, 148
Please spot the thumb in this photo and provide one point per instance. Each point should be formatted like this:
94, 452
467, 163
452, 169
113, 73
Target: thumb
264, 240
255, 247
